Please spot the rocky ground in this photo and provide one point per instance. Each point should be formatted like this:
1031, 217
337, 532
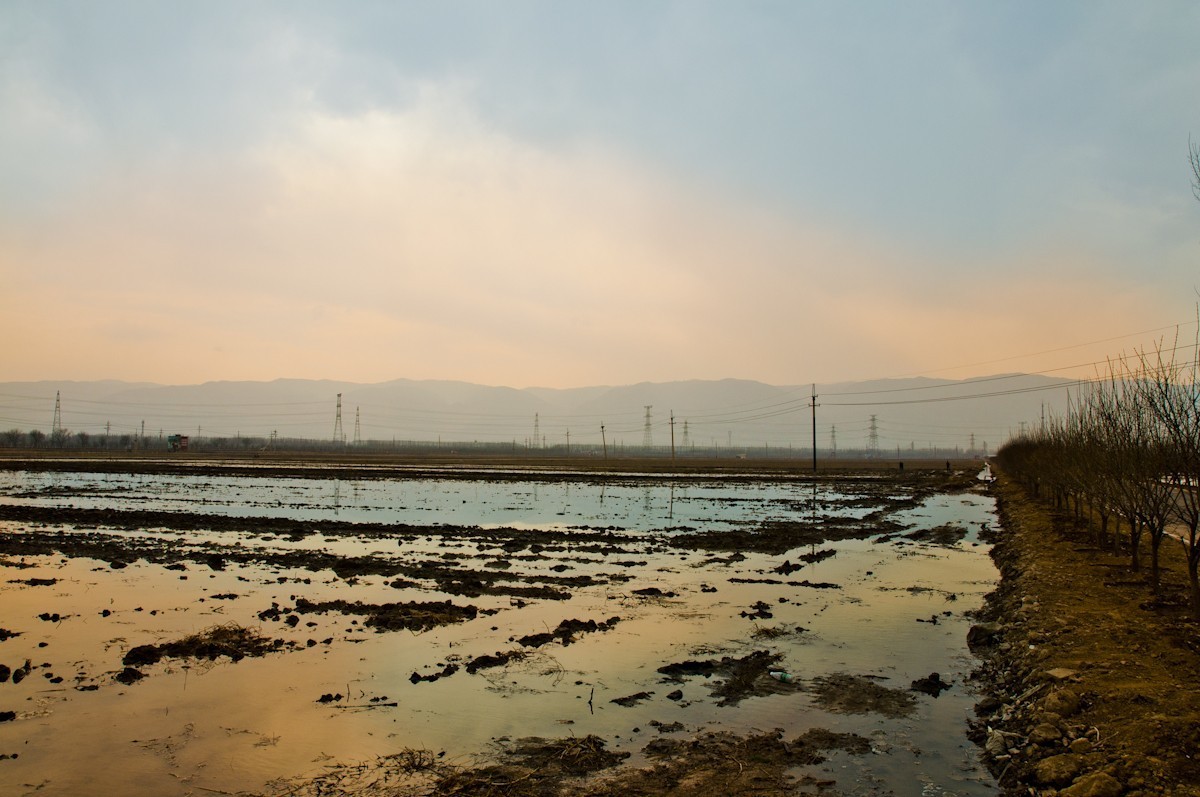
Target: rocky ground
1091, 682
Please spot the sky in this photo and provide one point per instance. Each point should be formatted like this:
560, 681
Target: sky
563, 194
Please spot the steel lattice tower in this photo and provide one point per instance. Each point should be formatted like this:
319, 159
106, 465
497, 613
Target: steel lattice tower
873, 439
537, 435
647, 433
357, 427
56, 429
339, 436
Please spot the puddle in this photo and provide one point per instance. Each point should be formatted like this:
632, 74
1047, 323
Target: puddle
515, 569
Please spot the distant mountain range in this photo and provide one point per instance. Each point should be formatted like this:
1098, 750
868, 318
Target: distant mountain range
909, 414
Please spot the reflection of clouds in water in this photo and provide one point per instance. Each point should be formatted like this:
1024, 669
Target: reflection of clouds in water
630, 504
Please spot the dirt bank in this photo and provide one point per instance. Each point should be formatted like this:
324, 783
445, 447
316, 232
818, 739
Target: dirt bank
1092, 685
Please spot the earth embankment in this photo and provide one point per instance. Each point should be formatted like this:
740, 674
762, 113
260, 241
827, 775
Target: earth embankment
1092, 681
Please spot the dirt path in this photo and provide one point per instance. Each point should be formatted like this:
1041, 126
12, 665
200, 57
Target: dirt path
1094, 686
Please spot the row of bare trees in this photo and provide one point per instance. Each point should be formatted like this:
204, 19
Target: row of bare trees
1127, 455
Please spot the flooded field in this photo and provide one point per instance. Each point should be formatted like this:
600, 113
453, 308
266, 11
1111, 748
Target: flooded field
199, 634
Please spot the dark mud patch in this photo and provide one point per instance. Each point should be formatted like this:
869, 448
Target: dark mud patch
739, 678
721, 763
854, 694
779, 537
567, 632
948, 535
777, 632
6, 634
490, 660
531, 767
776, 581
408, 616
632, 700
230, 641
714, 764
931, 684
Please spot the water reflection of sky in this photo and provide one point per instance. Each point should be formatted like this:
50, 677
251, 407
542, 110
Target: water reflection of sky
261, 716
488, 504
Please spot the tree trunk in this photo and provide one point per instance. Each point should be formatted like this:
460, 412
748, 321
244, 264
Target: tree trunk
1135, 539
1194, 585
1156, 538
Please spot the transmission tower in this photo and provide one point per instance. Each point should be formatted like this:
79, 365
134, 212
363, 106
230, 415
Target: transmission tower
357, 428
873, 439
685, 434
833, 441
339, 436
972, 451
537, 435
56, 430
647, 434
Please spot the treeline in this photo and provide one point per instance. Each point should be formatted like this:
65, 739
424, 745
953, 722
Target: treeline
1127, 455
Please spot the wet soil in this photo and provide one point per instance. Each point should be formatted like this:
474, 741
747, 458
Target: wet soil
697, 763
1091, 682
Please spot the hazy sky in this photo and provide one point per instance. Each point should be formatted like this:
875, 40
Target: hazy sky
566, 193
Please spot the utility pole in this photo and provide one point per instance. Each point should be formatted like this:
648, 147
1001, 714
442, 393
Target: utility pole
672, 435
568, 443
813, 405
604, 442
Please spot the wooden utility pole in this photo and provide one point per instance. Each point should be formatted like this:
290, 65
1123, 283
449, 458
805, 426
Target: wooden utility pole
604, 442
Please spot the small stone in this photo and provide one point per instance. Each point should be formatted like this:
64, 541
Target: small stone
1045, 734
983, 635
1094, 784
988, 705
1061, 673
1081, 746
1063, 702
1057, 770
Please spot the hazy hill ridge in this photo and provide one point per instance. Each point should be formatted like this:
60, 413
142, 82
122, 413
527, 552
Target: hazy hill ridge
911, 413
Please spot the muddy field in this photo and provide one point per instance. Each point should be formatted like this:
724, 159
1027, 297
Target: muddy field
300, 631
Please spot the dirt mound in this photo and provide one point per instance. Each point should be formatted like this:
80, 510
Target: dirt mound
231, 641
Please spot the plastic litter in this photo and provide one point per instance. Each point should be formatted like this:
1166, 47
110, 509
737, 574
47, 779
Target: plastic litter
786, 677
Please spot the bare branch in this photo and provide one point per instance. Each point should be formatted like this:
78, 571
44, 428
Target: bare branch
1194, 162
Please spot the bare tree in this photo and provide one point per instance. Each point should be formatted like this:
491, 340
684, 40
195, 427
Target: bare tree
1175, 399
1194, 162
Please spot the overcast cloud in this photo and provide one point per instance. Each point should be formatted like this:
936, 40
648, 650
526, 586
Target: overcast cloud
562, 194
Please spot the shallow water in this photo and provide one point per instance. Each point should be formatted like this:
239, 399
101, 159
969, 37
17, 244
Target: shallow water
532, 504
193, 728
